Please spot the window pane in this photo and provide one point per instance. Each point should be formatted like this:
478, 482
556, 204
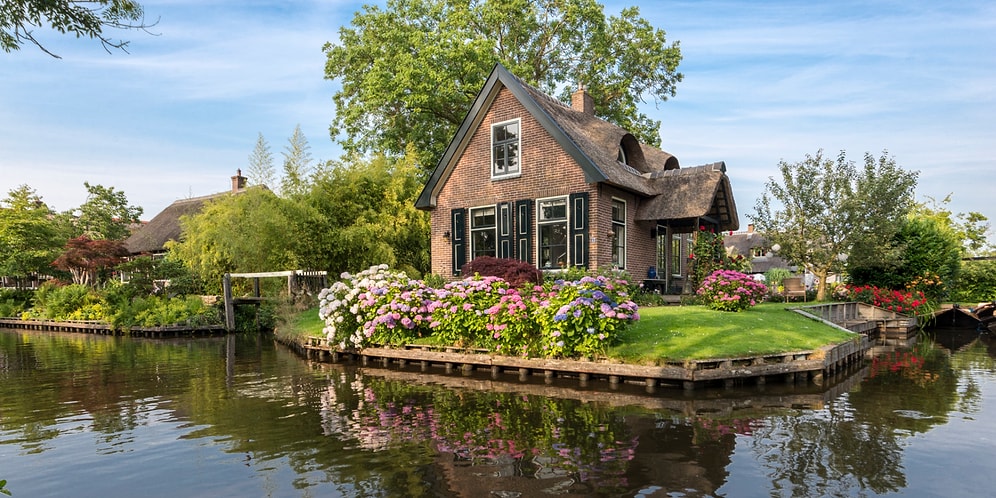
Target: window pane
512, 157
619, 245
481, 218
553, 210
553, 245
484, 243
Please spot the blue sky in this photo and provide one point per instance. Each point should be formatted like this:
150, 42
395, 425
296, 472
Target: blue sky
764, 82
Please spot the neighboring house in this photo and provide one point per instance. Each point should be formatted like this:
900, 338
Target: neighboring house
151, 239
751, 244
530, 178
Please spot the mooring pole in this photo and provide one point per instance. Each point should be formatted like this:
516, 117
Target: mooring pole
226, 285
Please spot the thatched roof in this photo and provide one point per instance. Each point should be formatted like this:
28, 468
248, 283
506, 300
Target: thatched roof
673, 193
692, 194
165, 226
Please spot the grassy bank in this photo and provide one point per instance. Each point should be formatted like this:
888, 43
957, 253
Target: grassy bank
679, 333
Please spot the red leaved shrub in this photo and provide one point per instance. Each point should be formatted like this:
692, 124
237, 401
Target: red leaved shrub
515, 272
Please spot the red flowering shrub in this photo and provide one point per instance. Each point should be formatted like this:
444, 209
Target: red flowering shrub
901, 301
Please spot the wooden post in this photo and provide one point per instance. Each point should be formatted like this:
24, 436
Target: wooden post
226, 284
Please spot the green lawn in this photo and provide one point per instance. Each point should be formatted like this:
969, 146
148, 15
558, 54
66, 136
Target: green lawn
696, 332
675, 333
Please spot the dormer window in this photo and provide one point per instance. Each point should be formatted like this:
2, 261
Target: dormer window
621, 155
505, 140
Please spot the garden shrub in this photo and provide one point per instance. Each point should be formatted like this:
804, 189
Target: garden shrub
516, 272
58, 302
14, 301
582, 317
976, 283
563, 318
728, 290
901, 301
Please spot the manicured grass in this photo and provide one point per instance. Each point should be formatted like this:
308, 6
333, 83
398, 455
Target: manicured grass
675, 333
695, 332
301, 324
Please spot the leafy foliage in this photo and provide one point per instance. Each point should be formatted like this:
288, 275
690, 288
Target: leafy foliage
89, 261
929, 256
81, 18
29, 239
410, 70
251, 231
105, 215
361, 213
58, 302
709, 255
728, 290
822, 208
516, 272
976, 283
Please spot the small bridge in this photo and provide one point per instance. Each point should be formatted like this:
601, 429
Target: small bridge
296, 280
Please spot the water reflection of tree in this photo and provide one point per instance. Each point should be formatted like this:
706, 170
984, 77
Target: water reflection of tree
856, 442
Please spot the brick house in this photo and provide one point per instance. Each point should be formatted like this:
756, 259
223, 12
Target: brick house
531, 178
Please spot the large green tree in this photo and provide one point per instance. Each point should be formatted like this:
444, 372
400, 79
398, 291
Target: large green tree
822, 210
361, 213
246, 232
29, 239
105, 215
82, 18
409, 71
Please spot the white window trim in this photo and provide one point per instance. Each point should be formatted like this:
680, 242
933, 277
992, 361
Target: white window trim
567, 223
470, 226
625, 226
491, 141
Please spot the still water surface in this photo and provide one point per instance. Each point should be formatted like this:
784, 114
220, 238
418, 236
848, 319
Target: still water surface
85, 415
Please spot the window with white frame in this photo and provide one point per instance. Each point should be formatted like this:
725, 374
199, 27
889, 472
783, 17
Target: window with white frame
619, 233
551, 225
483, 232
505, 140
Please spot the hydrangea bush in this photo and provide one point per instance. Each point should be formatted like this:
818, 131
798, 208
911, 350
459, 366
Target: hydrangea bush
579, 318
728, 290
559, 319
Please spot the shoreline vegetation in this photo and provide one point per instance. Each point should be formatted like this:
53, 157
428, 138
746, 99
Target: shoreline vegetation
669, 333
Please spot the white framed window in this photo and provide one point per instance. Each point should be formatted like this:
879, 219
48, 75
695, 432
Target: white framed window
619, 233
621, 155
505, 147
483, 232
551, 227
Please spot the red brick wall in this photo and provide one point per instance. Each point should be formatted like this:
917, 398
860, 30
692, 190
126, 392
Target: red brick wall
546, 171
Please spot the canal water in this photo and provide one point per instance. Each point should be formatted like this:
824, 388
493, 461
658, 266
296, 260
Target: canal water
84, 415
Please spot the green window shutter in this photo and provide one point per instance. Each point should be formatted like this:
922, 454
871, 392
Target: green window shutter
578, 205
505, 235
524, 230
458, 238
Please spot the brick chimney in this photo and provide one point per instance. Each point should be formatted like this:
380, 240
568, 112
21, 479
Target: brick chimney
581, 101
238, 181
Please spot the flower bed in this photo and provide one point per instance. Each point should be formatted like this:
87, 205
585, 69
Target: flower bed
563, 319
